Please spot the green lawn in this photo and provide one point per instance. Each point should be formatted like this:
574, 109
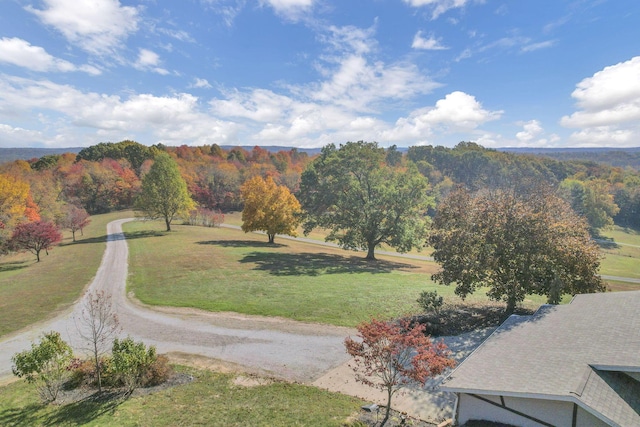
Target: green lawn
32, 291
212, 399
220, 269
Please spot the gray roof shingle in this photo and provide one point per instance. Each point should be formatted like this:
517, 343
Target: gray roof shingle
552, 355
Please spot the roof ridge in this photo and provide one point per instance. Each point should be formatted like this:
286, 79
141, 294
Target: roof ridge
584, 379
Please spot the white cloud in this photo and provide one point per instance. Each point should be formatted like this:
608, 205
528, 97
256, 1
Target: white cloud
430, 43
356, 83
609, 105
20, 137
457, 112
173, 119
531, 130
290, 9
149, 61
439, 6
21, 53
99, 26
200, 84
537, 46
603, 136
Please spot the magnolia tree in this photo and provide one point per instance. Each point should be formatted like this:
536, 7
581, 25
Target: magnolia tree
392, 355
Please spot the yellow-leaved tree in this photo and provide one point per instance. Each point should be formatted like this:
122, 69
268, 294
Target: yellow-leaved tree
269, 207
13, 197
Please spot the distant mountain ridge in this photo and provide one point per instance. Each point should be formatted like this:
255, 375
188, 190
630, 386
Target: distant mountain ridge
28, 153
620, 157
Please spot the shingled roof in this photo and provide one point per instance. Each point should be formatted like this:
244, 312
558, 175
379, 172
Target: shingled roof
587, 352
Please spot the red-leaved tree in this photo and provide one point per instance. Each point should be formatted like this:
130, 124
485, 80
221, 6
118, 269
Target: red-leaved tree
35, 236
392, 355
75, 219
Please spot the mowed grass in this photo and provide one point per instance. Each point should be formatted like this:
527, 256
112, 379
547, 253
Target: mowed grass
212, 399
622, 255
219, 269
32, 291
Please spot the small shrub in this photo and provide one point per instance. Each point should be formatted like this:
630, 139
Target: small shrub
46, 365
157, 373
131, 362
430, 301
204, 217
84, 373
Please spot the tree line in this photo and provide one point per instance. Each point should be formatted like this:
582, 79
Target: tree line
363, 195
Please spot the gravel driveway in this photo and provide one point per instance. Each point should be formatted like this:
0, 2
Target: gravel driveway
276, 347
284, 349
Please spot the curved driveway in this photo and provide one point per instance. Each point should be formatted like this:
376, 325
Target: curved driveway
280, 348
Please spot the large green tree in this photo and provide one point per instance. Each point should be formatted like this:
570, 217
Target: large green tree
514, 244
164, 192
363, 202
592, 200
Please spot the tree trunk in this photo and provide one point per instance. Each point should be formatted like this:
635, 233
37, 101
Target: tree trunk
511, 305
98, 367
388, 410
271, 237
73, 234
38, 256
166, 221
371, 252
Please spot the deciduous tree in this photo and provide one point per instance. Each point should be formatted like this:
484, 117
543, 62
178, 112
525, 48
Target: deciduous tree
363, 202
97, 325
269, 207
392, 355
74, 219
35, 237
515, 245
164, 192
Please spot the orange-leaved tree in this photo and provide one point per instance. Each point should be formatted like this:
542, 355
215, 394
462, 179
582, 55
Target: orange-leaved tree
269, 207
392, 355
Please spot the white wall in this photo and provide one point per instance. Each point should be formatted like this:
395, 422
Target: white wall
557, 413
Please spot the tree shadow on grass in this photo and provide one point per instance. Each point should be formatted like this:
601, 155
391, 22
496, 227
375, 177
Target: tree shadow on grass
11, 266
88, 409
242, 244
315, 264
23, 416
117, 236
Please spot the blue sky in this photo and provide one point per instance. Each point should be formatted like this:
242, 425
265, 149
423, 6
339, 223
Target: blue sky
305, 73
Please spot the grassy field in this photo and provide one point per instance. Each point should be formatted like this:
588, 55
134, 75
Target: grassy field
212, 399
31, 291
622, 255
220, 269
227, 270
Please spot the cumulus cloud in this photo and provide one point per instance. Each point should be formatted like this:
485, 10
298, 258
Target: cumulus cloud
173, 119
21, 53
149, 61
20, 137
530, 131
439, 6
99, 27
608, 103
457, 112
430, 43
